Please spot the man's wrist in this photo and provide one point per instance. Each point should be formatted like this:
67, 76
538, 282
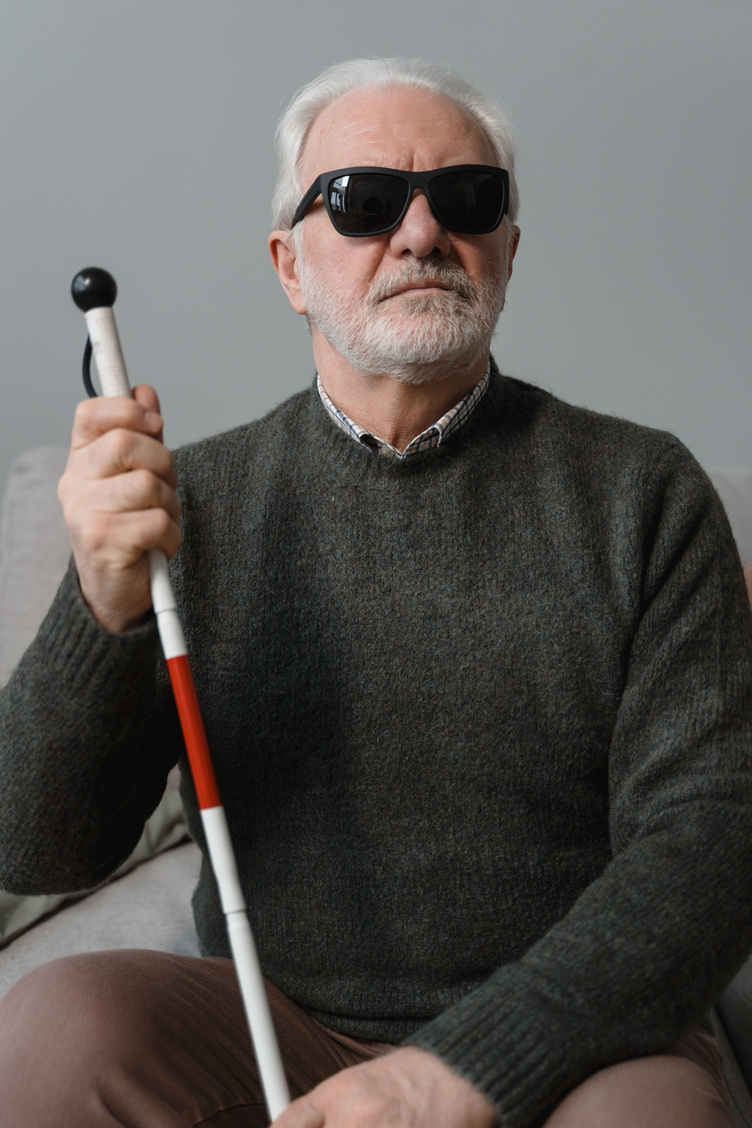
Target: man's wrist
464, 1103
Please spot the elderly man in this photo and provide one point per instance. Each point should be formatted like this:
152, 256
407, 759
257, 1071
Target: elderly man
477, 673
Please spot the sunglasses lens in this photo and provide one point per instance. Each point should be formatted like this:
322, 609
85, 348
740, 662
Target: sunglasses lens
366, 203
468, 202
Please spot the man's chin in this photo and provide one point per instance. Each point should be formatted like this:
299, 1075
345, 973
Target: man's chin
420, 357
419, 303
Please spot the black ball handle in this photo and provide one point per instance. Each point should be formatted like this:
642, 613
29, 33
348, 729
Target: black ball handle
93, 288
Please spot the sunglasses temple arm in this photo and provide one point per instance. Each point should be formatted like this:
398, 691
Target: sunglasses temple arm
114, 379
316, 188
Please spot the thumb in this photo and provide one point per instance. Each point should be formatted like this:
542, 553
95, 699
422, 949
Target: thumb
302, 1113
148, 398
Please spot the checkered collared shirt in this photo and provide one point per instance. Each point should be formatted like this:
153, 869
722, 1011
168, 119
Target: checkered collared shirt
432, 437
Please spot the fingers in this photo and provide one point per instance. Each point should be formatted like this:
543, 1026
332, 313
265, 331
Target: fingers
113, 544
118, 451
119, 501
95, 417
139, 491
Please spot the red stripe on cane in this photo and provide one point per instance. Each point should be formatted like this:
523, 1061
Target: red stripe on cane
194, 734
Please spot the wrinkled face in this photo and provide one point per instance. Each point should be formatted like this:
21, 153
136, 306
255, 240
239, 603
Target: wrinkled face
419, 301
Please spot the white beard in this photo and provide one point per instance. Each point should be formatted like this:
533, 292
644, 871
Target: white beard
412, 338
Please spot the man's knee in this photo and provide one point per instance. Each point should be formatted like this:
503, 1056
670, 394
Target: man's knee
124, 1037
662, 1091
58, 1028
76, 1008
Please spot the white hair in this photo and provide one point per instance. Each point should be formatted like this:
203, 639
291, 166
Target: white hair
355, 74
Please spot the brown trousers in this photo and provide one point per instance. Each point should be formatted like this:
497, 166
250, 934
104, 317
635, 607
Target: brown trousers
153, 1040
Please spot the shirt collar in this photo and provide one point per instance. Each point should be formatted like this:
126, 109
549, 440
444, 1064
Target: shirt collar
432, 437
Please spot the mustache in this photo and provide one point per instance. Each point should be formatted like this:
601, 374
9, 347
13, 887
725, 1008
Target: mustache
445, 274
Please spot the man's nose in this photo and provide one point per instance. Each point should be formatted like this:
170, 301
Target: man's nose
420, 232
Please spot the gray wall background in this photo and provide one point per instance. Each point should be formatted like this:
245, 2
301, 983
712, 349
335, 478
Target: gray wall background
137, 135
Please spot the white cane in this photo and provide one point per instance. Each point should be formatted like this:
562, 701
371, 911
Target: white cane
94, 291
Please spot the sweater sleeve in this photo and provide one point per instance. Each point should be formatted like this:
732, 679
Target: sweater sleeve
85, 747
648, 946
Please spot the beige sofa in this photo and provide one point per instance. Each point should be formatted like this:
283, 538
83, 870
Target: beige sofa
147, 905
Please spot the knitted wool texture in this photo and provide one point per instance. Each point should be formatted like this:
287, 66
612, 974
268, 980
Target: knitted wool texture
481, 723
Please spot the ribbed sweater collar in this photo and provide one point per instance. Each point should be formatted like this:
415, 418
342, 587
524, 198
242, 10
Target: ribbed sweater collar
362, 462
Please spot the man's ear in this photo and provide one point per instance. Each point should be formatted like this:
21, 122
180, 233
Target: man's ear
514, 244
285, 262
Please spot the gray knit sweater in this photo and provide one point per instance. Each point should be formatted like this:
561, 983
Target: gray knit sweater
482, 723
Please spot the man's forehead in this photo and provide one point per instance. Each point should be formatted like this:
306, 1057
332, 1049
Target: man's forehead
393, 126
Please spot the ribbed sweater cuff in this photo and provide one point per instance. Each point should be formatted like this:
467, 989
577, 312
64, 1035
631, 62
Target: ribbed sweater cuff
86, 655
506, 1041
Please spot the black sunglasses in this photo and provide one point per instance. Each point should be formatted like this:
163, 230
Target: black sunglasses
468, 199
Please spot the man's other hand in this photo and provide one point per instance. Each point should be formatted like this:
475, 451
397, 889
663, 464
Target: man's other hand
119, 500
407, 1088
748, 578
